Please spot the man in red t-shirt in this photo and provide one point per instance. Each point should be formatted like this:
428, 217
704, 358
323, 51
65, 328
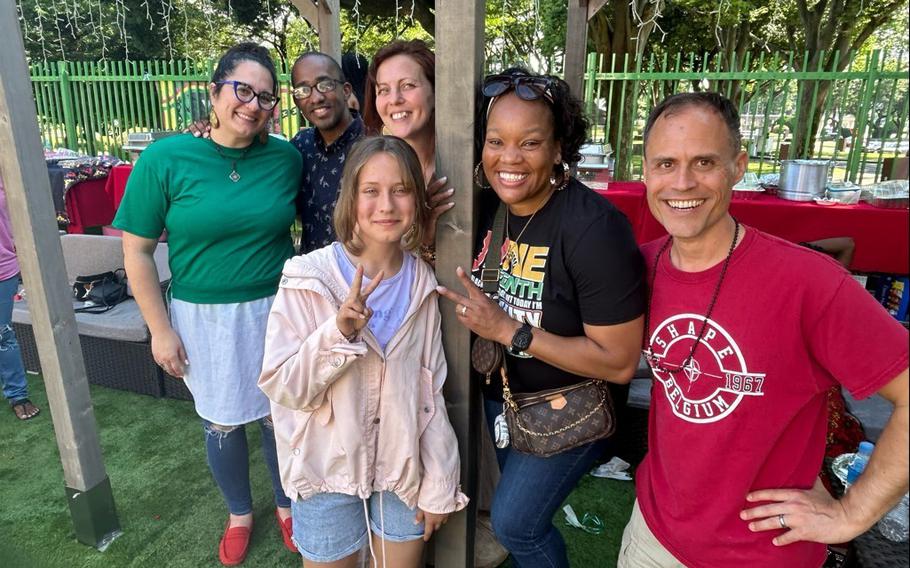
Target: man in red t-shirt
745, 333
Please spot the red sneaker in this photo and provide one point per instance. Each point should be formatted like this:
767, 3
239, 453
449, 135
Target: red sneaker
286, 527
234, 545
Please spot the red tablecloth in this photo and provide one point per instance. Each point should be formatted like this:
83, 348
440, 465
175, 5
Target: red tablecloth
882, 236
116, 183
88, 205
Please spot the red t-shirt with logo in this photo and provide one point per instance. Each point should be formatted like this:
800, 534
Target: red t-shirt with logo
749, 412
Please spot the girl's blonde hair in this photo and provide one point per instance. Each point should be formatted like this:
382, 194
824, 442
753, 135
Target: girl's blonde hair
345, 218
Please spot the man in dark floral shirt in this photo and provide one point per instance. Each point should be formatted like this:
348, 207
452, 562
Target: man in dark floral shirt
321, 93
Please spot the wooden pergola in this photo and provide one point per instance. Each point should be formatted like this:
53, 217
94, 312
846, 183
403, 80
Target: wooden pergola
459, 68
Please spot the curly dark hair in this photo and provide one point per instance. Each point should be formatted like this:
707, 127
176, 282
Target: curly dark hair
570, 125
246, 51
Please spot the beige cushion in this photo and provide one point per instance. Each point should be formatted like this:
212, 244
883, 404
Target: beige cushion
93, 254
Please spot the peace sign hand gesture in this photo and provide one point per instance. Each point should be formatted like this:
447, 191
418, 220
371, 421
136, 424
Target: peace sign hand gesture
354, 315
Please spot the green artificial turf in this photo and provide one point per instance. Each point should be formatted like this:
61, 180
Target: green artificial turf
169, 508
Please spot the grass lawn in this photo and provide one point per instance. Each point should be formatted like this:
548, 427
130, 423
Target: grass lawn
169, 508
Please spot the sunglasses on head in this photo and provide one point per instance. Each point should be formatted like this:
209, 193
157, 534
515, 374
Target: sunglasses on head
527, 88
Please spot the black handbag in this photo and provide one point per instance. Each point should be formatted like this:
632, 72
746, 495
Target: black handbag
100, 292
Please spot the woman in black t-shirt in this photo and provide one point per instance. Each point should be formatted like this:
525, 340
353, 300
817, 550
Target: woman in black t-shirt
570, 296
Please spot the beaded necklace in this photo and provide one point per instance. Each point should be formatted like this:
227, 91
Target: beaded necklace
649, 356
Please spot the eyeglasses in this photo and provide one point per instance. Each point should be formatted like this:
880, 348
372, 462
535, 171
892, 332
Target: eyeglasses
245, 94
323, 86
526, 87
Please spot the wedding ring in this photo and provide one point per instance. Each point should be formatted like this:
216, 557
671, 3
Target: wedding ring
464, 311
783, 523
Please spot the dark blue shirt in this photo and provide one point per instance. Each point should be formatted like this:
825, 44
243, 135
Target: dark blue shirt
322, 167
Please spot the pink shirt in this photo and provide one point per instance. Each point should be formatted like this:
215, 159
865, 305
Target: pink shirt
9, 266
749, 412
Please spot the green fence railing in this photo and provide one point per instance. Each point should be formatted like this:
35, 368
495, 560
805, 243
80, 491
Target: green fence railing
92, 106
859, 125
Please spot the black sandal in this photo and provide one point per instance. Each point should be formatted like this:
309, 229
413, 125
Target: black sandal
21, 409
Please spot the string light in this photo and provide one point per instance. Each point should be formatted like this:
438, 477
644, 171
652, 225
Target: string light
24, 24
59, 33
148, 14
356, 11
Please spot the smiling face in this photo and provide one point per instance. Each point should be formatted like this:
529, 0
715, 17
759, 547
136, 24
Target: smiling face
404, 97
240, 122
328, 112
386, 207
519, 152
690, 170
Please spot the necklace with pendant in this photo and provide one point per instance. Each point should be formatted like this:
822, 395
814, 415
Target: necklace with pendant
512, 256
233, 176
649, 356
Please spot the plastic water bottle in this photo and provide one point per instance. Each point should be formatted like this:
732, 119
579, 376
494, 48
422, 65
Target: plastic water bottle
859, 462
893, 525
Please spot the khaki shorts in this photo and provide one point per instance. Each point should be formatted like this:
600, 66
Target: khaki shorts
641, 549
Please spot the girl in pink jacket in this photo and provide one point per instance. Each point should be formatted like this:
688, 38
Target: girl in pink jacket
354, 368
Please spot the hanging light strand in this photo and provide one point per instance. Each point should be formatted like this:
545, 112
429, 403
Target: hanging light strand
40, 12
59, 32
101, 33
165, 12
148, 14
22, 21
356, 11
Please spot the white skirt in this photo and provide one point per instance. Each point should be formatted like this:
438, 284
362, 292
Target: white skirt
224, 344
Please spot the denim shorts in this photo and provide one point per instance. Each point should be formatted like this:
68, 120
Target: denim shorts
332, 526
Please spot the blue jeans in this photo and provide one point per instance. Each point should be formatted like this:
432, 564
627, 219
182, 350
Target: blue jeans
530, 491
229, 459
12, 372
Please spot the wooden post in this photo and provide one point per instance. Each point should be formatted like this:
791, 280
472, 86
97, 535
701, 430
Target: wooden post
576, 45
326, 19
28, 192
459, 66
330, 28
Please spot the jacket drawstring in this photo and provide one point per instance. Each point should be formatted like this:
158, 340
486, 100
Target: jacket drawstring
382, 528
366, 516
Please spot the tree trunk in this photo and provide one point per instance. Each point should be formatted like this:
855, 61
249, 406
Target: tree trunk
613, 34
809, 120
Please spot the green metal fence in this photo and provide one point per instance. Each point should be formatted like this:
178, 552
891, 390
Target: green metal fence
92, 106
861, 122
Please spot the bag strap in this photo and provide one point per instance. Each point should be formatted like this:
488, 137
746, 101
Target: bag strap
490, 276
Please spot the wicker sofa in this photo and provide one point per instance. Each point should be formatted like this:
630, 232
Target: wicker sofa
116, 344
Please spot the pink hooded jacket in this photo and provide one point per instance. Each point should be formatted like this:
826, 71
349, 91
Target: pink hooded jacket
348, 417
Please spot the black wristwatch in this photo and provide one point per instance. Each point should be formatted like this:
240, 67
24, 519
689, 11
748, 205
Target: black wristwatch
521, 340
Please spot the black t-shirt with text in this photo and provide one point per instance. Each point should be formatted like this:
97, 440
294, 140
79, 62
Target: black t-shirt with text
576, 263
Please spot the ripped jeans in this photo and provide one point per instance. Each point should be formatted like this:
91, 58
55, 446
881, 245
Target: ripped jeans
229, 459
12, 372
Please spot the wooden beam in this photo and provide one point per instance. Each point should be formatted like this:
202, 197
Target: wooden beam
576, 45
330, 28
308, 11
594, 6
459, 67
40, 256
325, 18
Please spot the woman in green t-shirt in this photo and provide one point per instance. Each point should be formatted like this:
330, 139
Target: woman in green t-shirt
227, 204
